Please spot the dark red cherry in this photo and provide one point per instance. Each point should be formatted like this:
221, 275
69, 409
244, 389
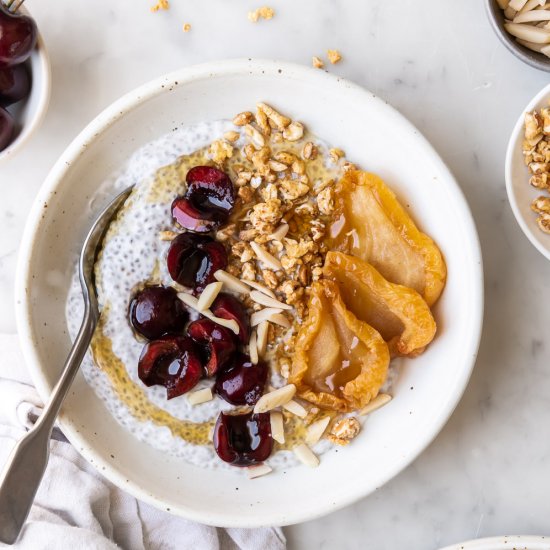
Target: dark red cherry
243, 439
193, 260
172, 362
228, 307
217, 341
208, 201
15, 84
7, 126
18, 35
242, 383
156, 311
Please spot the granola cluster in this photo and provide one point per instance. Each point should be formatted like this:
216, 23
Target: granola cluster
536, 151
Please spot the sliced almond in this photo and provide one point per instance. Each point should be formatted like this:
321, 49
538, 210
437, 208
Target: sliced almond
280, 233
275, 398
260, 287
531, 16
200, 396
503, 4
208, 295
231, 282
264, 256
517, 4
261, 337
258, 471
277, 426
279, 319
316, 430
379, 401
264, 300
253, 349
193, 303
263, 315
295, 408
531, 45
306, 455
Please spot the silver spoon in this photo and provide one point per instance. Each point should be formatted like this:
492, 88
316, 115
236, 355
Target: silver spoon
27, 462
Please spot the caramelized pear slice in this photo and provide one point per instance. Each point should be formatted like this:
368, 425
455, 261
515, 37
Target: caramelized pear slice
369, 223
398, 313
339, 363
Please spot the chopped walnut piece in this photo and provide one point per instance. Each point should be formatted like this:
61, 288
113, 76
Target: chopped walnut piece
220, 150
297, 249
270, 279
344, 430
160, 5
317, 62
186, 27
543, 222
325, 201
539, 167
540, 181
292, 290
265, 12
541, 205
533, 125
334, 56
292, 189
269, 192
246, 117
265, 215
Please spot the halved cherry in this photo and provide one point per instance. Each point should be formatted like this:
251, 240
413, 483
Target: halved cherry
156, 311
217, 341
242, 383
229, 307
209, 199
172, 362
193, 259
243, 439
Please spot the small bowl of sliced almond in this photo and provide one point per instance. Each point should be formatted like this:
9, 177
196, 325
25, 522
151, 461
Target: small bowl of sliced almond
528, 171
523, 26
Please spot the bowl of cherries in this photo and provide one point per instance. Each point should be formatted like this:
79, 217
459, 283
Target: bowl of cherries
24, 77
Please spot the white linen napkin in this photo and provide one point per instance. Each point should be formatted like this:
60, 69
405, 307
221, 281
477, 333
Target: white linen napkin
76, 508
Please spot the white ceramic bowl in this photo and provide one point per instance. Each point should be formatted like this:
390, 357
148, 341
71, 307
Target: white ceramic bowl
30, 112
373, 135
520, 193
506, 542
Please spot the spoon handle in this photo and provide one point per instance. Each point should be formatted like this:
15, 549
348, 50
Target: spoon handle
27, 462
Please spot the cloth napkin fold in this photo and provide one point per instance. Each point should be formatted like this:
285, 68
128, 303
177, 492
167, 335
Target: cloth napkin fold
76, 508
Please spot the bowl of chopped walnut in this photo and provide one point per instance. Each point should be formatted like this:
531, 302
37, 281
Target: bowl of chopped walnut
528, 171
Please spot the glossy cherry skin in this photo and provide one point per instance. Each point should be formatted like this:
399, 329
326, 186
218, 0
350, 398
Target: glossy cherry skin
208, 201
229, 307
217, 342
242, 383
243, 439
7, 126
156, 311
17, 37
193, 259
15, 84
172, 362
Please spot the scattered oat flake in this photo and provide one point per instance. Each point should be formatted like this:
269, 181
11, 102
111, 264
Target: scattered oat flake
160, 5
186, 27
264, 12
317, 62
334, 56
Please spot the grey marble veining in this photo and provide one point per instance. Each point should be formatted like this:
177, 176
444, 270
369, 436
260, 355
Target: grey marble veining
438, 62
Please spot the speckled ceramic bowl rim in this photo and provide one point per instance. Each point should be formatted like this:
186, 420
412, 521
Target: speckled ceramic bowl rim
508, 542
105, 120
30, 128
515, 141
535, 59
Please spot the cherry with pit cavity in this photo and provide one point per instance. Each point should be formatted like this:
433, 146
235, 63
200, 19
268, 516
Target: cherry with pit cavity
17, 37
228, 307
172, 362
243, 439
156, 311
242, 383
7, 126
193, 259
208, 201
217, 342
15, 84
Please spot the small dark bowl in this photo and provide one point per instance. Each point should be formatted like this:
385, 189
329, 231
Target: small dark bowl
496, 17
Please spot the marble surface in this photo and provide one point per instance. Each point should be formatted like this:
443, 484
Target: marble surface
438, 62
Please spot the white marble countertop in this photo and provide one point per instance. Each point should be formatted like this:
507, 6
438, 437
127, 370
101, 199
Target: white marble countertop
438, 62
